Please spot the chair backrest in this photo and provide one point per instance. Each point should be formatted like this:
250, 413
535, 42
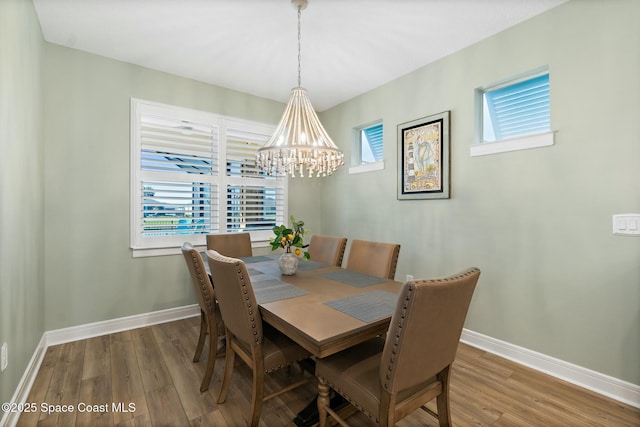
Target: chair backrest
199, 278
327, 249
425, 329
236, 298
374, 258
234, 245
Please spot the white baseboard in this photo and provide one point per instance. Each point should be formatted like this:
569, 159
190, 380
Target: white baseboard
606, 385
90, 330
61, 336
25, 384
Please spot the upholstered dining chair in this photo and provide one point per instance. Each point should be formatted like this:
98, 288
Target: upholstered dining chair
210, 319
373, 258
327, 249
263, 348
389, 379
235, 245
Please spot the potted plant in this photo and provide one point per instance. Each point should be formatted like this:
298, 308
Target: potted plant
292, 240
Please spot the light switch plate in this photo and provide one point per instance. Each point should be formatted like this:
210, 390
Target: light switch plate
626, 224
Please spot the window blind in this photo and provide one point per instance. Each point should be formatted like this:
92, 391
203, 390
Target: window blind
255, 200
373, 137
518, 109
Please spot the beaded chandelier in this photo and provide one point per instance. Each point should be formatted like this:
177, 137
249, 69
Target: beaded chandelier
300, 144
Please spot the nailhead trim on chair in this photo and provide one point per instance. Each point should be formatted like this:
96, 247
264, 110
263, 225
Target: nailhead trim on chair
275, 368
396, 336
341, 256
205, 291
245, 291
358, 407
392, 272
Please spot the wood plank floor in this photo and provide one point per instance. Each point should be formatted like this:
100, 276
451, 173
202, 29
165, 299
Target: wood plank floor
148, 375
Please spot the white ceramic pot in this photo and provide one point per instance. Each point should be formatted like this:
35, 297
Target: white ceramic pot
288, 263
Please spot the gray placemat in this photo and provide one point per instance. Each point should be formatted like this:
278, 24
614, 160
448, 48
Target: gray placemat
253, 272
304, 265
367, 307
257, 276
275, 290
268, 267
354, 278
252, 259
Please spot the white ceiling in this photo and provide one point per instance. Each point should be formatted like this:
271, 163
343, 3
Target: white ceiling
348, 46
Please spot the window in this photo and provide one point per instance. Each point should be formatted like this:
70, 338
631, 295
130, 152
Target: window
367, 148
194, 173
513, 115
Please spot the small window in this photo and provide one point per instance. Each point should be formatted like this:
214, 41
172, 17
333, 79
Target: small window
368, 153
513, 115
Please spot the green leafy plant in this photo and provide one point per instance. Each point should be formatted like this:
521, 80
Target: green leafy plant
290, 237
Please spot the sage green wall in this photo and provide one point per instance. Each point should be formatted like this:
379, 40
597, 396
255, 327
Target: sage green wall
21, 189
536, 222
90, 274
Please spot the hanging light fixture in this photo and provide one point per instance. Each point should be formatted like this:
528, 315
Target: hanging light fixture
300, 143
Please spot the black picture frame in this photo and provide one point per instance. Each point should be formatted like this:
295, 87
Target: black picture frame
423, 158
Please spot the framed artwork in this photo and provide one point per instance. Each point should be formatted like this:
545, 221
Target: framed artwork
423, 158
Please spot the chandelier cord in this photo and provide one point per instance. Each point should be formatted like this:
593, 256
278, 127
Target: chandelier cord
299, 55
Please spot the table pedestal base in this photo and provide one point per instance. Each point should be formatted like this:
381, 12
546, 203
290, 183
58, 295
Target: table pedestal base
309, 415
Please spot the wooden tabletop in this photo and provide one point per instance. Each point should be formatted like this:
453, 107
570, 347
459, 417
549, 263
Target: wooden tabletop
314, 325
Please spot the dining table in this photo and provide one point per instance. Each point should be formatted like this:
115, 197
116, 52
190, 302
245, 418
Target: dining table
323, 308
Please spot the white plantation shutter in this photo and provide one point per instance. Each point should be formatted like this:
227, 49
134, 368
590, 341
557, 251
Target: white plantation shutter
373, 137
518, 109
194, 174
171, 208
241, 153
255, 201
253, 208
178, 146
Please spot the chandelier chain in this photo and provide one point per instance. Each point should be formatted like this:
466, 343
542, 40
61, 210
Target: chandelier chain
299, 54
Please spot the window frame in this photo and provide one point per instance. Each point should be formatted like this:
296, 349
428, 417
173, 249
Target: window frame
481, 147
357, 164
228, 129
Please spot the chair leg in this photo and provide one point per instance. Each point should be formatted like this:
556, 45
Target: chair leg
202, 337
211, 357
229, 360
257, 391
387, 409
442, 401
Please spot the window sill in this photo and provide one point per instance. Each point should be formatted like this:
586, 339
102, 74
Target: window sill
515, 144
151, 252
366, 167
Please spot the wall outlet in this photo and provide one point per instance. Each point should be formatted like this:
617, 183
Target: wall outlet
4, 358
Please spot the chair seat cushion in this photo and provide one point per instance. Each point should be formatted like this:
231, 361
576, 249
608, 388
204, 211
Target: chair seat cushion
278, 350
355, 374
